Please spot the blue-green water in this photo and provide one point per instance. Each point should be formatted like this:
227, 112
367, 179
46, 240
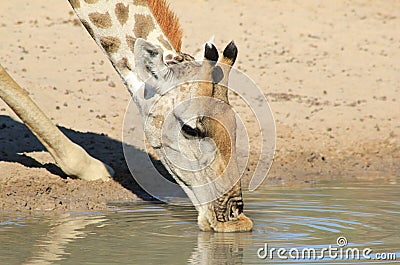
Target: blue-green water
365, 212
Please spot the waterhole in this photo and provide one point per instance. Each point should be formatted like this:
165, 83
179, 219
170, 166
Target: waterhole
364, 214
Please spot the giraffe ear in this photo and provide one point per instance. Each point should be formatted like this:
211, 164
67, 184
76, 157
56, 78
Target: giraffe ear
148, 59
217, 74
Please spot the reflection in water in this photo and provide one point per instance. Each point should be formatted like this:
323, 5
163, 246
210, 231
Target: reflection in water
62, 231
366, 212
219, 248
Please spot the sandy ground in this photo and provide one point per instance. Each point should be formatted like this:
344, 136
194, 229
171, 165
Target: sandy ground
330, 70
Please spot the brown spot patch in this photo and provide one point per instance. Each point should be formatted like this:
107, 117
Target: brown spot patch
101, 20
123, 64
143, 26
91, 1
169, 57
220, 92
140, 2
122, 13
164, 43
131, 43
110, 44
88, 27
75, 3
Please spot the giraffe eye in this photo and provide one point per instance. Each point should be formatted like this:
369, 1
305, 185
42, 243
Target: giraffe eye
190, 132
199, 131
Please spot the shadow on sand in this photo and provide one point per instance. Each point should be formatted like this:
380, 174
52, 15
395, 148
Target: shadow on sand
16, 139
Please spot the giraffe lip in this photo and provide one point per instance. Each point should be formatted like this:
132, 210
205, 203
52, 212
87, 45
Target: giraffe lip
241, 224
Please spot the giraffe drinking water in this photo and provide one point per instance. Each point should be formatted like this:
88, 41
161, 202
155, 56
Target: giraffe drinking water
142, 39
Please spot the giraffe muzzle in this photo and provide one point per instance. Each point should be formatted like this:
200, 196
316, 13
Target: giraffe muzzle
225, 214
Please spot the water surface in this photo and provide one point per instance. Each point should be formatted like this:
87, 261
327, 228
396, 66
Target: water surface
365, 212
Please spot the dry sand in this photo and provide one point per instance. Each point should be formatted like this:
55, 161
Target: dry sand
330, 70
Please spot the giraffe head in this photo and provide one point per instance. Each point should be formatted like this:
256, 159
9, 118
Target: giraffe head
192, 128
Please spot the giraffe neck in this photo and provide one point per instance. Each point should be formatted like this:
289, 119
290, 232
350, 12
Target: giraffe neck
116, 24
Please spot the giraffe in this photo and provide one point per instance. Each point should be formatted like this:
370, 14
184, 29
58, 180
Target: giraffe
142, 39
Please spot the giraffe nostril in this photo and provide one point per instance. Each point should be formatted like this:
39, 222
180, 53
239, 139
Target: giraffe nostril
235, 208
234, 213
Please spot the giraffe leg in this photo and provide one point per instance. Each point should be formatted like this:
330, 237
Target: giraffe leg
70, 157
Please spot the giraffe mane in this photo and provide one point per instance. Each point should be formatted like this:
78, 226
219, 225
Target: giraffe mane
168, 21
